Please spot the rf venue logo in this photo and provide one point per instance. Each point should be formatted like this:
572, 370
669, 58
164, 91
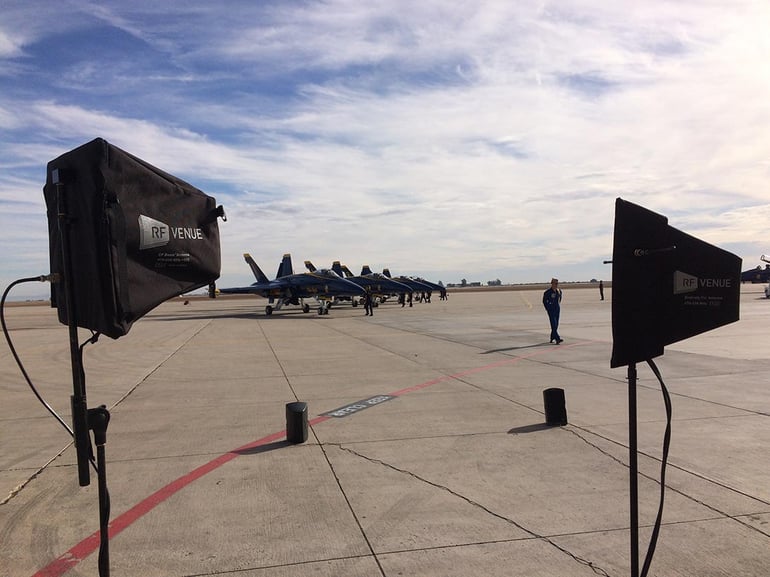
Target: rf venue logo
154, 233
684, 283
687, 283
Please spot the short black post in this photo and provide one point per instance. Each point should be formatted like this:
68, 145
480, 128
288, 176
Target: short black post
296, 422
555, 407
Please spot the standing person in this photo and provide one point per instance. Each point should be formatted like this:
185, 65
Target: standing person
601, 290
368, 303
552, 304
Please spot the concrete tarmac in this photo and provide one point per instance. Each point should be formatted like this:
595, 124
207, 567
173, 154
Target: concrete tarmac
428, 453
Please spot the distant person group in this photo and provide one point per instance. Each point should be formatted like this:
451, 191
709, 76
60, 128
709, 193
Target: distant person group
404, 299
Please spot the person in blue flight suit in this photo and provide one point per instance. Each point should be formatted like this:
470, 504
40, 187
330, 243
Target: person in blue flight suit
552, 304
368, 302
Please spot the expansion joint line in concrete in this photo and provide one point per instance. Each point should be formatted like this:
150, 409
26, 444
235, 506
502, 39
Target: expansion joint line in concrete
159, 365
751, 412
595, 568
278, 361
499, 396
24, 483
352, 510
88, 545
721, 514
16, 490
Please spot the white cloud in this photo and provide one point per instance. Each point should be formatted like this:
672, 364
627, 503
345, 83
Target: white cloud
464, 139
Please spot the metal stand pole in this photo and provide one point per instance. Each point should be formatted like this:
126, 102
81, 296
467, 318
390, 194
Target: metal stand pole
78, 398
83, 419
633, 470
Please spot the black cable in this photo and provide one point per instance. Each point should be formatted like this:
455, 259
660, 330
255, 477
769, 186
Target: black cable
98, 419
663, 462
103, 561
44, 278
104, 496
93, 339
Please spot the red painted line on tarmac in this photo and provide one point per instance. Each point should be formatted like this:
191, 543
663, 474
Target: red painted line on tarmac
91, 543
87, 546
466, 372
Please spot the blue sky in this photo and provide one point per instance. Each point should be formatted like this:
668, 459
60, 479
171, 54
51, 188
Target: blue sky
450, 140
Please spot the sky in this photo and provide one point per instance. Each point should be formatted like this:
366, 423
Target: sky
446, 139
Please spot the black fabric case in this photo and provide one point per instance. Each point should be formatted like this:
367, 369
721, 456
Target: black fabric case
137, 236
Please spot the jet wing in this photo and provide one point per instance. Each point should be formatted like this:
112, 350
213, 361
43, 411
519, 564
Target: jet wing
322, 283
268, 290
238, 290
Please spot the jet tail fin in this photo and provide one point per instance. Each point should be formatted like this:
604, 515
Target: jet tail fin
386, 272
285, 268
310, 266
347, 271
260, 276
365, 270
337, 267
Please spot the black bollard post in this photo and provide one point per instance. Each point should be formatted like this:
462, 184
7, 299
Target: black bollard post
296, 422
555, 407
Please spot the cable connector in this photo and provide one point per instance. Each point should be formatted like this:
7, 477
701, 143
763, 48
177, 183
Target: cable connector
53, 277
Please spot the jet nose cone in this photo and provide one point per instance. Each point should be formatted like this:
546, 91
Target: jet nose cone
353, 287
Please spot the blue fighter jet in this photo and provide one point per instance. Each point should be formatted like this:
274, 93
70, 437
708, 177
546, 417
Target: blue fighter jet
323, 285
383, 286
435, 286
414, 284
759, 274
379, 285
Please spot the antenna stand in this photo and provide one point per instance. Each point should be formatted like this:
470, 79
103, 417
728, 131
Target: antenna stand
633, 469
83, 419
78, 398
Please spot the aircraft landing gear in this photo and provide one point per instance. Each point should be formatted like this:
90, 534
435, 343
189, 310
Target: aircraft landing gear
268, 310
305, 308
